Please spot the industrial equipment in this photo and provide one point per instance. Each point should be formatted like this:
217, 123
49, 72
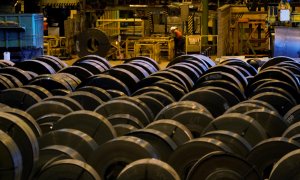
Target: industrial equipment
249, 29
55, 46
287, 42
21, 35
102, 27
280, 12
283, 21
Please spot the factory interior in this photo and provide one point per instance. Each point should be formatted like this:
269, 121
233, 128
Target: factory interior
150, 89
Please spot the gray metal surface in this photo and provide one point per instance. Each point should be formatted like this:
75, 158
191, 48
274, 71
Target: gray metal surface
287, 167
184, 157
68, 169
287, 41
110, 158
266, 153
93, 41
221, 165
150, 169
11, 155
162, 143
75, 139
91, 123
175, 130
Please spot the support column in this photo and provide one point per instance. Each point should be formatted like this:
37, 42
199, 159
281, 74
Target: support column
204, 21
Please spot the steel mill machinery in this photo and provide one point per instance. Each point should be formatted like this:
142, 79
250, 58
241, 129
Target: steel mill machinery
283, 18
21, 34
123, 29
